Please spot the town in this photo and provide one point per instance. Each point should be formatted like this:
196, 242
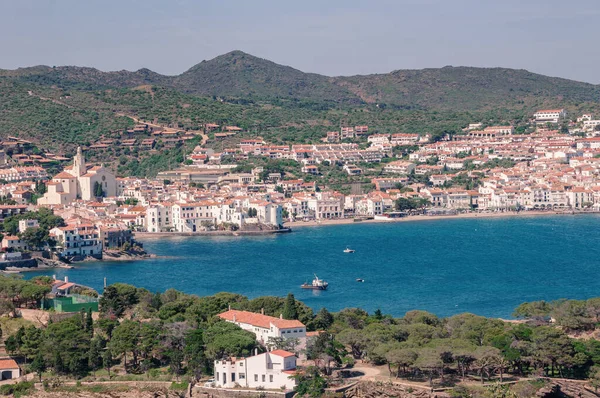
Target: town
233, 184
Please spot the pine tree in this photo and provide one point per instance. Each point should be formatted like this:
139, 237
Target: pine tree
89, 322
38, 365
107, 361
290, 311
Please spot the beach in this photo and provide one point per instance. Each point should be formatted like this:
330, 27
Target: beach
421, 217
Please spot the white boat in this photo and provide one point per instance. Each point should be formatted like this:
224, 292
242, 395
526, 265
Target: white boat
348, 250
317, 284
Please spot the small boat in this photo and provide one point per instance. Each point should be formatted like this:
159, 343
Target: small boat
348, 250
360, 280
317, 284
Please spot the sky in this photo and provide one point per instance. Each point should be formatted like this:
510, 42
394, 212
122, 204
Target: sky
331, 37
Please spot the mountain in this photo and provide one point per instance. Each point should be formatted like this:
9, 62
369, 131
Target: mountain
240, 75
237, 74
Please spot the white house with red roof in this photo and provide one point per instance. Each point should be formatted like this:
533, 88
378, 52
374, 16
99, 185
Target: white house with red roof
264, 326
270, 370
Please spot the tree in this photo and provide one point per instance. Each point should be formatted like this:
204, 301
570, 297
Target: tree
125, 339
107, 361
95, 355
290, 311
402, 358
89, 322
310, 383
430, 362
35, 237
38, 365
194, 353
224, 339
98, 192
323, 320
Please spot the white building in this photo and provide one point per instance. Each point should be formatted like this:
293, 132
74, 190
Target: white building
271, 370
549, 115
79, 182
264, 326
78, 241
399, 167
26, 224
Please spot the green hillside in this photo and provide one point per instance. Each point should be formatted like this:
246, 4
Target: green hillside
60, 108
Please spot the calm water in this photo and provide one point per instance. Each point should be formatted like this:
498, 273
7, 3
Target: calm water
484, 266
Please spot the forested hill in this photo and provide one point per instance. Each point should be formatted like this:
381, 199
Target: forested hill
240, 75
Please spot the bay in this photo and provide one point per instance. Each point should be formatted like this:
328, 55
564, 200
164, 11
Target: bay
486, 266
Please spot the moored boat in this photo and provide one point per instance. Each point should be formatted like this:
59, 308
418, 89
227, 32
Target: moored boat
348, 250
317, 284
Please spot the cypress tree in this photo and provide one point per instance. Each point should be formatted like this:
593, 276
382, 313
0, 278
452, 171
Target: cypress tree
290, 311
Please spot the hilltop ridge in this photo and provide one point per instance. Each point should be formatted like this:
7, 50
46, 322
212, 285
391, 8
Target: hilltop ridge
241, 75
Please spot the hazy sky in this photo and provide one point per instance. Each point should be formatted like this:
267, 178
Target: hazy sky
332, 37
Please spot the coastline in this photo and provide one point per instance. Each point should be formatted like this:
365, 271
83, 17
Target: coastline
347, 221
144, 235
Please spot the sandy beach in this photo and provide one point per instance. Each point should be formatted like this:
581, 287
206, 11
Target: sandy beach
344, 221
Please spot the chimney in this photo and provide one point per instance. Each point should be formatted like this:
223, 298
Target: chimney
262, 311
234, 317
229, 306
66, 279
54, 276
280, 316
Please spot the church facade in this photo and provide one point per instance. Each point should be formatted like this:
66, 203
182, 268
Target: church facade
79, 182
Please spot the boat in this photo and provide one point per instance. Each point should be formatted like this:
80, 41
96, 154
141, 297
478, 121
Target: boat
348, 250
360, 280
317, 284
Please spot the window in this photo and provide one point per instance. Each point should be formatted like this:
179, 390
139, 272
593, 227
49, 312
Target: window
233, 377
264, 378
242, 376
255, 377
217, 374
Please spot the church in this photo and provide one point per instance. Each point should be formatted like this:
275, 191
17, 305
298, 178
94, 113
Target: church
79, 182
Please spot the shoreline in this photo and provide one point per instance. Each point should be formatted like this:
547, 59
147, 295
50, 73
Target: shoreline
143, 235
421, 217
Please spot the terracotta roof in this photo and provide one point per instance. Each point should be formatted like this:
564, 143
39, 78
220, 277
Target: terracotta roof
65, 286
282, 353
263, 321
8, 364
64, 174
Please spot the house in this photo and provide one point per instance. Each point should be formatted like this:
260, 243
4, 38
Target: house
352, 170
399, 167
11, 210
78, 241
9, 369
549, 116
10, 243
270, 370
264, 326
26, 224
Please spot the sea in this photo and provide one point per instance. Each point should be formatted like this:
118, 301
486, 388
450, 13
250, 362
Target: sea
485, 266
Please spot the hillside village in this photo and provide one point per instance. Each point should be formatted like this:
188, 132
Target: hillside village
232, 183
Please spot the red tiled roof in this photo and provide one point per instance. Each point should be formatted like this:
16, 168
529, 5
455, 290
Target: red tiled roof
263, 321
282, 353
8, 364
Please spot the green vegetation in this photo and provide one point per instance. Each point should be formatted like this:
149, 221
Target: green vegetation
60, 108
180, 336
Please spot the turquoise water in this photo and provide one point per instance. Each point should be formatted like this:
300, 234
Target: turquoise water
483, 266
